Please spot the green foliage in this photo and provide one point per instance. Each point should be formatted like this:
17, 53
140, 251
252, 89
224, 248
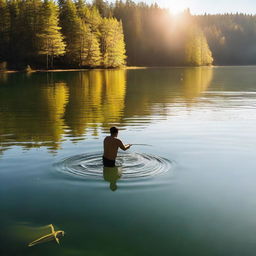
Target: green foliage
94, 20
90, 20
4, 29
100, 34
197, 52
13, 49
112, 43
231, 37
153, 37
104, 9
80, 28
50, 39
24, 26
70, 31
89, 49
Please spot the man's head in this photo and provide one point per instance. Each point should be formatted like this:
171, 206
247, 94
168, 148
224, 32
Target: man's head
113, 131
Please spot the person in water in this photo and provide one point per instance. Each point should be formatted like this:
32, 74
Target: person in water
111, 145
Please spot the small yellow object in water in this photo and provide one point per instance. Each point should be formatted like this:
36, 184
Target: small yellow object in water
54, 235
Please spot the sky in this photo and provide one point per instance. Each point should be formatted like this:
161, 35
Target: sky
208, 6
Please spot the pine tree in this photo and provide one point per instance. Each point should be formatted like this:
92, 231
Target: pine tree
14, 33
93, 38
4, 30
207, 58
103, 7
90, 19
82, 9
51, 41
112, 43
81, 36
72, 29
197, 52
89, 51
29, 24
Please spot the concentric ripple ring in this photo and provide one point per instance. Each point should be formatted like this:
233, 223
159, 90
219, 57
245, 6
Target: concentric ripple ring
134, 165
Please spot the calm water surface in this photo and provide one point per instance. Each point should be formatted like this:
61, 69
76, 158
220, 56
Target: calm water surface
189, 191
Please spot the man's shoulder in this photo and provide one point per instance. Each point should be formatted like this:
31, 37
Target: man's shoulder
112, 139
118, 141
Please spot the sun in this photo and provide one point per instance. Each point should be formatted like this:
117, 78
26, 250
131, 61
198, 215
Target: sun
177, 6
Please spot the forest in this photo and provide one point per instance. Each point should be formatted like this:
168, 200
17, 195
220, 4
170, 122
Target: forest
44, 34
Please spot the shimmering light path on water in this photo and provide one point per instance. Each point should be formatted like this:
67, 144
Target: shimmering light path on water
192, 192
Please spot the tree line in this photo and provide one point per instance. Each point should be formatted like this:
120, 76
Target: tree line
71, 34
231, 37
43, 33
156, 38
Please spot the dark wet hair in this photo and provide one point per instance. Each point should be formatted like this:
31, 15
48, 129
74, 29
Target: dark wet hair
113, 130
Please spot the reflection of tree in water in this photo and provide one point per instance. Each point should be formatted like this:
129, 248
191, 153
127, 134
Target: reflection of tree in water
32, 114
115, 88
84, 102
56, 97
150, 92
96, 99
37, 110
3, 78
196, 81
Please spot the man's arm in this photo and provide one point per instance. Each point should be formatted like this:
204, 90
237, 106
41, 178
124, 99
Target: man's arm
122, 146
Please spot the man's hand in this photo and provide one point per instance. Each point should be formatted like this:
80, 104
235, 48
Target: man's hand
128, 146
122, 146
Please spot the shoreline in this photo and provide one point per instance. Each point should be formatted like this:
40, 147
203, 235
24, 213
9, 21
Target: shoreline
68, 70
86, 69
123, 68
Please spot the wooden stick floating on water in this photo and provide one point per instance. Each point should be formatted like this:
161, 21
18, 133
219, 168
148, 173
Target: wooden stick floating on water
54, 235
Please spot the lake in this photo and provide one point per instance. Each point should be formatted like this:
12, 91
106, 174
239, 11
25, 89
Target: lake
188, 190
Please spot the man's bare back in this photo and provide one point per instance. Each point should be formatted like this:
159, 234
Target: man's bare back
111, 144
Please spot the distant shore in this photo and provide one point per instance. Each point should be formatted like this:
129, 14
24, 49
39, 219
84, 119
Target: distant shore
88, 69
67, 70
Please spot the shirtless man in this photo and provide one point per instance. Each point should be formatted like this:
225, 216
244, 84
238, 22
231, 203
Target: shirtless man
111, 145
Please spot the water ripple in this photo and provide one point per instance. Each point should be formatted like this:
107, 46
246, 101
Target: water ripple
133, 165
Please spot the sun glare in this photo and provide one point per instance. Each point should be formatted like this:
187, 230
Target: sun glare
176, 11
177, 7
